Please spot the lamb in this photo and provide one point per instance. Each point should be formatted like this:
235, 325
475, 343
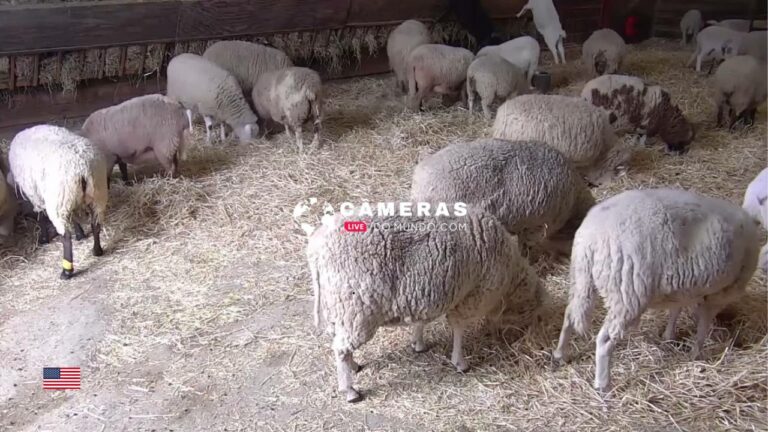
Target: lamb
740, 87
140, 130
504, 178
548, 24
581, 131
755, 44
603, 52
438, 69
691, 24
756, 204
292, 97
401, 41
740, 25
65, 175
390, 275
715, 42
661, 249
8, 206
640, 108
204, 88
491, 77
246, 61
522, 52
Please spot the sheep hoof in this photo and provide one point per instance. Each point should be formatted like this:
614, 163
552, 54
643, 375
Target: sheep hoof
66, 274
353, 396
462, 367
98, 251
419, 349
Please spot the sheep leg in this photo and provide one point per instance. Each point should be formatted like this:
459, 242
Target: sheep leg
486, 104
79, 233
316, 129
457, 355
189, 118
345, 365
470, 99
222, 133
607, 339
299, 138
208, 126
67, 269
560, 355
669, 331
96, 230
417, 338
705, 313
123, 171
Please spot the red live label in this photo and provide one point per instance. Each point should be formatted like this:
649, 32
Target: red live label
355, 226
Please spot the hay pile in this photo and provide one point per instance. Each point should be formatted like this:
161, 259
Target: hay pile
206, 297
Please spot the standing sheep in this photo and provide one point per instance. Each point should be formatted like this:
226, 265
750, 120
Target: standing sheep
246, 61
717, 43
438, 69
691, 24
658, 249
390, 275
505, 179
756, 204
401, 41
65, 175
522, 52
548, 24
603, 52
639, 108
8, 205
292, 97
141, 130
740, 87
581, 131
755, 44
204, 88
492, 77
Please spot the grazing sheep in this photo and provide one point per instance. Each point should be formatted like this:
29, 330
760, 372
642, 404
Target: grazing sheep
716, 43
603, 52
505, 179
640, 108
739, 25
548, 24
246, 61
141, 130
491, 77
581, 131
438, 69
393, 275
740, 87
205, 88
291, 97
756, 204
400, 42
522, 52
65, 175
659, 249
8, 206
755, 44
691, 24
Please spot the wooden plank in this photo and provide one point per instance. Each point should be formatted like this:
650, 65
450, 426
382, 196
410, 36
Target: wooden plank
364, 12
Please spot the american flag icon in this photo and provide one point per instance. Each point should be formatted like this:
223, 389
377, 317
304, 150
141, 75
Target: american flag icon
61, 378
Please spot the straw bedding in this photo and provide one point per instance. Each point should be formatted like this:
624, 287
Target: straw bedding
205, 298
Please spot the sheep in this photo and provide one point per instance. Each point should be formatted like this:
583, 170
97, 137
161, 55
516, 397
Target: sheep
603, 52
436, 68
504, 178
691, 24
656, 248
739, 25
548, 24
400, 42
756, 204
491, 77
8, 206
640, 108
755, 44
390, 275
715, 42
571, 125
522, 52
140, 130
65, 175
740, 87
205, 88
246, 61
291, 96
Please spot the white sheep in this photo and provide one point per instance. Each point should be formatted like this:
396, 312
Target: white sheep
716, 43
438, 69
691, 24
246, 61
393, 274
640, 108
505, 179
755, 44
740, 87
492, 77
656, 249
400, 42
547, 22
603, 52
756, 204
291, 97
64, 175
141, 130
740, 25
205, 88
522, 52
8, 206
581, 131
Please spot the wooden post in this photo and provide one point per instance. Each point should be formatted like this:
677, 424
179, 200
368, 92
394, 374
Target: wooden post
12, 72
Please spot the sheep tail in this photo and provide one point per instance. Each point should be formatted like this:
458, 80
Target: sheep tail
583, 291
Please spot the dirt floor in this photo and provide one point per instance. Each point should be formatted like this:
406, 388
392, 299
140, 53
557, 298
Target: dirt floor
198, 317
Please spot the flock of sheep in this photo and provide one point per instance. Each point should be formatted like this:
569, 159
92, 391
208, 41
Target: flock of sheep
527, 186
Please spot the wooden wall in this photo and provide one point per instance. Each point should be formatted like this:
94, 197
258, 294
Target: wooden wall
669, 12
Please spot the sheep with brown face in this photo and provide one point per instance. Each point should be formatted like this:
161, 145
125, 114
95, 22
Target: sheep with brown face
634, 106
